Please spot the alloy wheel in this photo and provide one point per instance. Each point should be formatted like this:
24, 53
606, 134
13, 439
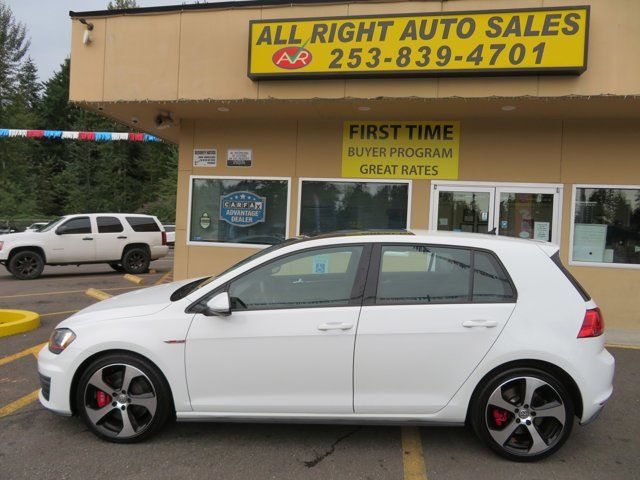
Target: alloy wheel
525, 416
26, 265
120, 400
136, 261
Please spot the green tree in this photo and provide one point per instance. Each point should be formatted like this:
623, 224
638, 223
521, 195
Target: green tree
14, 45
122, 4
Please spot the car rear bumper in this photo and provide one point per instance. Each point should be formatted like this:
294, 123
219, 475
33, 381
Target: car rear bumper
598, 387
159, 251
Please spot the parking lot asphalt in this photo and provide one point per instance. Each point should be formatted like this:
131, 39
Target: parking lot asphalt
35, 443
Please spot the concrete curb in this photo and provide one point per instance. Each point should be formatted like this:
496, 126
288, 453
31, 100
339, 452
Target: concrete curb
17, 321
133, 279
97, 294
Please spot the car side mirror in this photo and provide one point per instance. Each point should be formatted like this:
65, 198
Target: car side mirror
218, 306
60, 230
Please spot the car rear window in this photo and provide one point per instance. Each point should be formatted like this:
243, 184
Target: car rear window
109, 225
143, 224
556, 259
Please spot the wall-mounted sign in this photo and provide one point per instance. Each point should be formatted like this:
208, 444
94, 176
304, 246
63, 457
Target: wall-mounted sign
242, 209
418, 150
497, 42
239, 158
205, 157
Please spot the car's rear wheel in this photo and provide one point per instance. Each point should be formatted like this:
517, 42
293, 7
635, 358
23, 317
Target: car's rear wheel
523, 414
123, 398
26, 265
136, 260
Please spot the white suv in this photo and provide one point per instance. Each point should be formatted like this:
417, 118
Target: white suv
127, 242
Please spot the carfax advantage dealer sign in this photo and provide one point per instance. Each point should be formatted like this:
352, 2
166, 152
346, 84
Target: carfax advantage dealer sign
498, 42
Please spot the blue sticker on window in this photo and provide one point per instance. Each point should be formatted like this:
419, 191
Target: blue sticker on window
242, 209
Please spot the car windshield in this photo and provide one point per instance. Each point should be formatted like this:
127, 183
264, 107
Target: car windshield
51, 224
203, 282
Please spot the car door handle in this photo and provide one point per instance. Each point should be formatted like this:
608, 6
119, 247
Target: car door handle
335, 326
87, 238
480, 323
122, 237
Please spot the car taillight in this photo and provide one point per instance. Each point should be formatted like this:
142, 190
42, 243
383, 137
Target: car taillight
592, 325
164, 238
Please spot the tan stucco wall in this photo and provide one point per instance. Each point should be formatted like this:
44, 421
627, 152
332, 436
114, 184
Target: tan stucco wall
194, 55
528, 151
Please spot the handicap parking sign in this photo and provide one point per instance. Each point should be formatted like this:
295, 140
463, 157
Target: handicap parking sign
242, 209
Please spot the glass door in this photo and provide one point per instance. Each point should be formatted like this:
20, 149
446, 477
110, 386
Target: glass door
528, 212
463, 209
523, 211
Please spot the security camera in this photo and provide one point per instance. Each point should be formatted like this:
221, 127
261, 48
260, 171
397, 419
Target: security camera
163, 120
86, 38
135, 120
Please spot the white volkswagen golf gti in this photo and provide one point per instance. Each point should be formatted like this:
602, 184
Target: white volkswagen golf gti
432, 328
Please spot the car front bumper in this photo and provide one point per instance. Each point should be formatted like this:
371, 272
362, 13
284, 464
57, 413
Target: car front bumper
56, 372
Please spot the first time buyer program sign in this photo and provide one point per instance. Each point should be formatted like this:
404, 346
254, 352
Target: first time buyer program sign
417, 150
497, 42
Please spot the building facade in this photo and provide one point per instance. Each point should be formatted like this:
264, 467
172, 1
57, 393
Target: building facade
303, 117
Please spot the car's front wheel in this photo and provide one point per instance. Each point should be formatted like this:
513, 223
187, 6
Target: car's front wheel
26, 265
123, 398
523, 414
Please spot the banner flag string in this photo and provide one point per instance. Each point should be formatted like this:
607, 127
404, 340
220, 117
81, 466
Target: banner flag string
94, 136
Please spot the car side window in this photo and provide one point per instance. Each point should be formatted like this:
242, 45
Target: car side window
143, 224
490, 281
423, 274
78, 225
313, 278
109, 225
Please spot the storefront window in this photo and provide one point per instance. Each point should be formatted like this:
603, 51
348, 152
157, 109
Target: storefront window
327, 206
606, 225
239, 210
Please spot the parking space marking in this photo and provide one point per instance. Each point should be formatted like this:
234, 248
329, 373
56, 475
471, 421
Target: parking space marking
51, 314
413, 458
65, 292
164, 277
24, 353
615, 345
97, 294
18, 404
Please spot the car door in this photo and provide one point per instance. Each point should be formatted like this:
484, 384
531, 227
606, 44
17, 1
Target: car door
73, 241
430, 314
287, 346
110, 239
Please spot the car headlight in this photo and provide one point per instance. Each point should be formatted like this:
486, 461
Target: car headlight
60, 339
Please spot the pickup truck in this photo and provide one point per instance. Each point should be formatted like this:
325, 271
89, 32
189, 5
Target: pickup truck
127, 242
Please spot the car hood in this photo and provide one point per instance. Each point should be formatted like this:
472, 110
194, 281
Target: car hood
20, 236
139, 303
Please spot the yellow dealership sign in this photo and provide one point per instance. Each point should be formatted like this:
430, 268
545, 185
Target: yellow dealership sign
418, 150
499, 42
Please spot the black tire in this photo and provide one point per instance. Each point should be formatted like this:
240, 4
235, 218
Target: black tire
26, 265
116, 266
136, 260
110, 424
492, 423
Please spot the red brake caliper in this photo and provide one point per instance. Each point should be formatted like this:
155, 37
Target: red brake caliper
499, 416
102, 398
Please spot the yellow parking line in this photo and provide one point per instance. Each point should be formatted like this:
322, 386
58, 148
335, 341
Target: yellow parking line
97, 294
164, 277
57, 313
18, 404
24, 353
65, 292
615, 345
413, 458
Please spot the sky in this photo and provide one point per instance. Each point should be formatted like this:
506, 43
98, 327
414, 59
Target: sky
49, 26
